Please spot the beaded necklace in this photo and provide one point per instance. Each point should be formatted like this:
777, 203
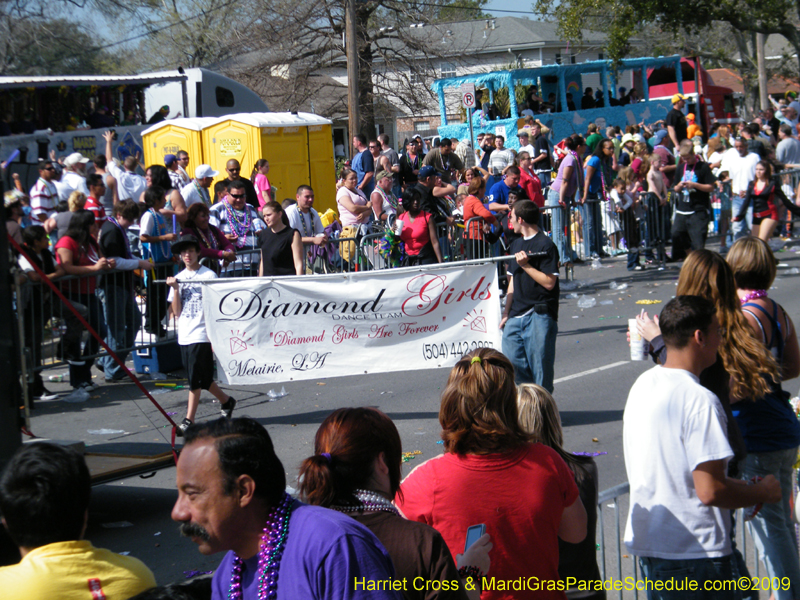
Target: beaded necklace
387, 198
303, 222
753, 295
203, 192
273, 543
240, 228
370, 502
209, 240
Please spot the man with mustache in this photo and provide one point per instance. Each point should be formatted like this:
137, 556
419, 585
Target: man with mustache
44, 499
231, 497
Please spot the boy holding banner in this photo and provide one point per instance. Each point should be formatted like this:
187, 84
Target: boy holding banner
196, 352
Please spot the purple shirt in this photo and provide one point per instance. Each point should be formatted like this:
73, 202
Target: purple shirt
326, 553
573, 183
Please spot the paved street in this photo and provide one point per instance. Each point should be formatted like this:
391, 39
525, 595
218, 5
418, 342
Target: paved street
593, 376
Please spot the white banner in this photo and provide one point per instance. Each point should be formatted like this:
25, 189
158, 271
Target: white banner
310, 327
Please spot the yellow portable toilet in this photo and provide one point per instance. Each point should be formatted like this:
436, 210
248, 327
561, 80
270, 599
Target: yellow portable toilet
298, 146
167, 137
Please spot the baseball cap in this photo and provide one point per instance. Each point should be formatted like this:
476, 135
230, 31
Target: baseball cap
75, 158
522, 133
690, 117
381, 174
426, 172
203, 171
628, 137
169, 159
660, 135
677, 98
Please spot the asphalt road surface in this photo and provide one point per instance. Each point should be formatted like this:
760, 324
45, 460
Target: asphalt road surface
593, 376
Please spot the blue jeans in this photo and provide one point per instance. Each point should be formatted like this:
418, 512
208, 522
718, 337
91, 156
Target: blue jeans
529, 342
123, 319
697, 569
592, 226
772, 529
560, 221
742, 228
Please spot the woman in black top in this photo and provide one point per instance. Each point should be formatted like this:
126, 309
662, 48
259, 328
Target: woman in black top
761, 193
281, 246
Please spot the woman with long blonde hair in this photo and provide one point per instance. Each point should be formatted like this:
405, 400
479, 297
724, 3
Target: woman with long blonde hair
743, 361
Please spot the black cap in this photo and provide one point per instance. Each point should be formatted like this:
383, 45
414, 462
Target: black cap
183, 241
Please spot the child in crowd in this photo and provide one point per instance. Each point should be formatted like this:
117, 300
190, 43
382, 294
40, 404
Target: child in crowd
611, 223
196, 352
37, 301
220, 191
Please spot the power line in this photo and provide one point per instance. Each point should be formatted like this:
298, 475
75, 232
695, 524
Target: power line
232, 2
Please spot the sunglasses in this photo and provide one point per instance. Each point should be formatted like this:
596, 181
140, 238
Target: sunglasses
373, 147
236, 170
49, 169
237, 196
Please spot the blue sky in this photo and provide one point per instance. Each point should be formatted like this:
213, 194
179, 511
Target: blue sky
515, 5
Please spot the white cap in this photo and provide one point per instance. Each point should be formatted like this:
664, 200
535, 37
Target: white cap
203, 171
75, 158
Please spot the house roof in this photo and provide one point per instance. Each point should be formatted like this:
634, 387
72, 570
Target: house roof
74, 80
775, 85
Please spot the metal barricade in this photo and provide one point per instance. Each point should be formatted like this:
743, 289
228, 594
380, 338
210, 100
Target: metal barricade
369, 250
646, 230
479, 243
126, 311
559, 227
245, 265
610, 498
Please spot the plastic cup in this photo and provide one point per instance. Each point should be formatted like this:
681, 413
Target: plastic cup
637, 341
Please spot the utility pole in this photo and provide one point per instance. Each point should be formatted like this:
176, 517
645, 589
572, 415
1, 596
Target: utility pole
351, 49
762, 72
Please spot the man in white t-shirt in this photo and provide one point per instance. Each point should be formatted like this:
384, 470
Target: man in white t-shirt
197, 190
524, 143
676, 455
740, 164
130, 185
305, 219
74, 177
788, 150
43, 194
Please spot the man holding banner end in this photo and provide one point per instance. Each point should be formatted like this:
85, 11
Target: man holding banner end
530, 317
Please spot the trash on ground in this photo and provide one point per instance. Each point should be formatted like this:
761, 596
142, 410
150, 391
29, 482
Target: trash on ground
617, 286
106, 431
275, 395
586, 301
571, 296
606, 303
585, 283
793, 271
566, 286
595, 440
777, 244
648, 302
407, 456
157, 376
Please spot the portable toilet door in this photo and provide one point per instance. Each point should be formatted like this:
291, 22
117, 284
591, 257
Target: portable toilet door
168, 137
322, 167
283, 139
232, 137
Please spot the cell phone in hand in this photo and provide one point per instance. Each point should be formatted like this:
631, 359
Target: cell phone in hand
473, 534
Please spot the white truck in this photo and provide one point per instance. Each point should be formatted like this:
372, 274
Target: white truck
54, 110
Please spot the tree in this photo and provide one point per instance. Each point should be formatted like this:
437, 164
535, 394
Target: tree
396, 53
51, 47
624, 18
192, 33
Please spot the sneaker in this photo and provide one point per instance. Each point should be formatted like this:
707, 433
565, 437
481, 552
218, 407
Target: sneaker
46, 395
227, 408
76, 396
181, 429
89, 387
